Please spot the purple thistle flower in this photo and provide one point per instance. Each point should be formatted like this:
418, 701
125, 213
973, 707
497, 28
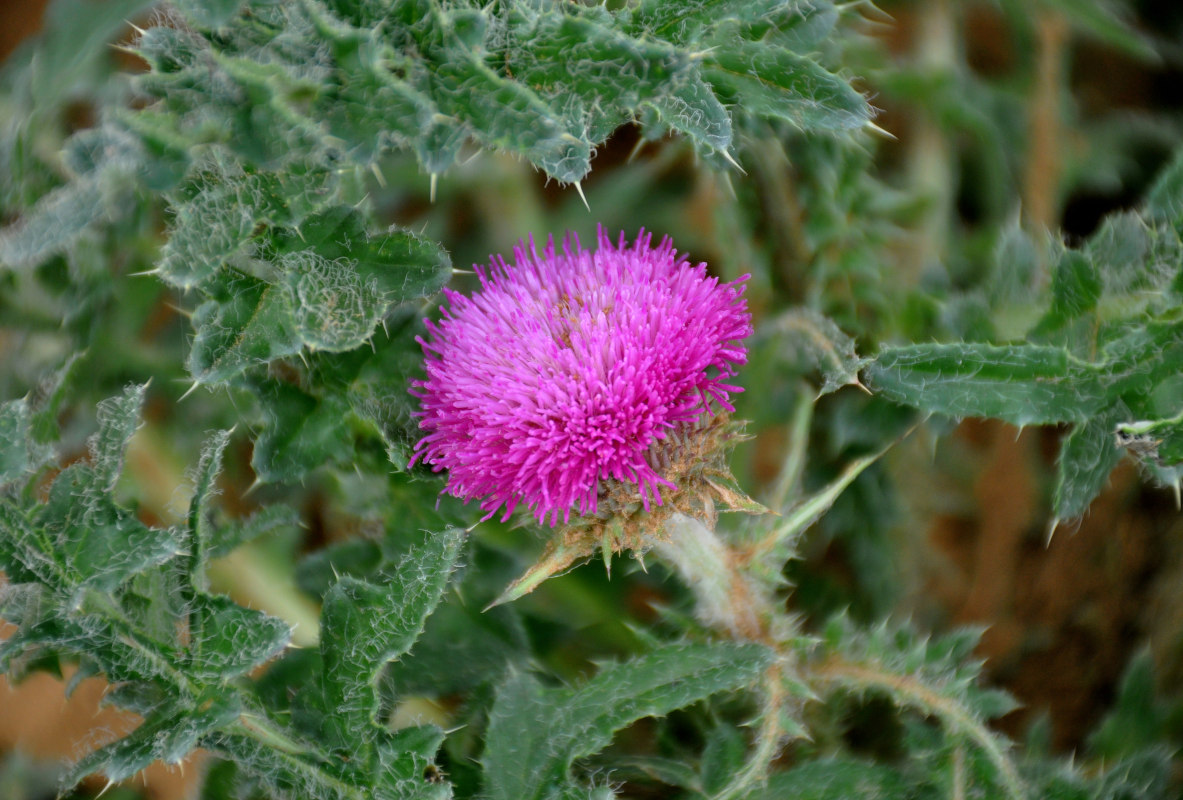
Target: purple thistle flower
567, 367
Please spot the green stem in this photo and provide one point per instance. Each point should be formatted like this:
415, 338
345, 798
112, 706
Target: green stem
913, 692
728, 598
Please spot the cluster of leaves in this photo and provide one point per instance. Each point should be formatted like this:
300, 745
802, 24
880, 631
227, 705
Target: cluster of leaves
266, 128
259, 125
1105, 355
90, 583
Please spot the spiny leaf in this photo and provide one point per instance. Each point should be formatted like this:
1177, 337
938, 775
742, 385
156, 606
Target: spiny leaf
1164, 201
229, 535
197, 522
403, 265
300, 432
404, 760
247, 323
20, 453
1087, 456
92, 542
772, 82
363, 626
821, 345
1021, 384
933, 675
231, 640
213, 225
208, 14
167, 736
681, 21
690, 108
536, 733
506, 115
53, 224
839, 778
336, 309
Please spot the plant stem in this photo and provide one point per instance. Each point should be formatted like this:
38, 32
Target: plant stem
728, 598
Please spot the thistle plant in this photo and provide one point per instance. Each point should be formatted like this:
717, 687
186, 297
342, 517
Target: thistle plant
372, 583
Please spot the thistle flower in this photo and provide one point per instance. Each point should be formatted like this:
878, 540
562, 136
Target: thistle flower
567, 369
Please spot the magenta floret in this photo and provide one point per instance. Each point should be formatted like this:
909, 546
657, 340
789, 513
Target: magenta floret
567, 366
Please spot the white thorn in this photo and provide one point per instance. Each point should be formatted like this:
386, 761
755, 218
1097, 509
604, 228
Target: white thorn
733, 162
189, 391
579, 188
378, 174
434, 182
876, 129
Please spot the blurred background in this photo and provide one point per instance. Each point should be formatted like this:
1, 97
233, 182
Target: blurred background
1003, 123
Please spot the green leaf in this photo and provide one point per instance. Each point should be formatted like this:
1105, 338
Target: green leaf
1138, 718
1164, 201
119, 418
722, 758
1119, 248
166, 736
691, 108
934, 675
25, 553
840, 778
80, 538
364, 626
460, 648
231, 640
247, 323
1021, 384
403, 265
536, 733
197, 521
406, 766
20, 453
214, 225
1087, 456
1076, 287
681, 21
300, 432
98, 544
579, 59
771, 82
52, 225
821, 344
230, 535
355, 558
507, 115
1102, 20
336, 309
208, 14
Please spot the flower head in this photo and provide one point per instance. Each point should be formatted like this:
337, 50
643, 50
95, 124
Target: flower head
569, 367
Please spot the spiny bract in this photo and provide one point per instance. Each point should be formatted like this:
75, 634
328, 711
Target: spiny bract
566, 368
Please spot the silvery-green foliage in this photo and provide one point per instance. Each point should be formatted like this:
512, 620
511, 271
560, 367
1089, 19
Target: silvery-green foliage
236, 171
1103, 354
258, 123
